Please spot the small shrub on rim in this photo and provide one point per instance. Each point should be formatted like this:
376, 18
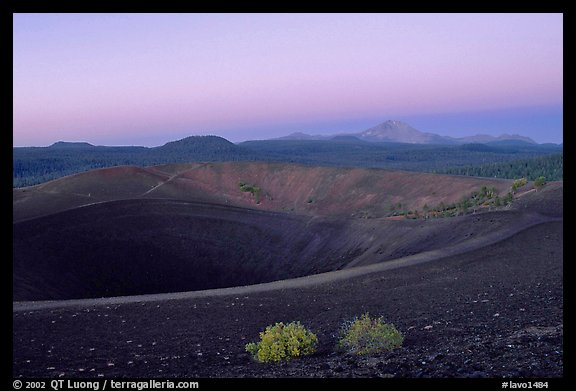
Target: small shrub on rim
365, 335
281, 342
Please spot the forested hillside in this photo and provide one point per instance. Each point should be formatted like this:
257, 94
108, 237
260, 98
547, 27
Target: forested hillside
33, 165
401, 156
551, 167
40, 164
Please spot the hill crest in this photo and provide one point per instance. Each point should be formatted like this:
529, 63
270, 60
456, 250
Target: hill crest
69, 144
198, 141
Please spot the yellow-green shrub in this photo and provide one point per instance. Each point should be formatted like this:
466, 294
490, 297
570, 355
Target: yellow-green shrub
367, 336
518, 183
282, 342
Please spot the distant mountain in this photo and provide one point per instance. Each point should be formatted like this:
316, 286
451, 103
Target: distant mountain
66, 144
302, 136
214, 144
401, 132
485, 138
198, 148
347, 139
511, 142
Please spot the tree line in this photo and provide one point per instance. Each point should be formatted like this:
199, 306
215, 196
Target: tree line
34, 165
550, 167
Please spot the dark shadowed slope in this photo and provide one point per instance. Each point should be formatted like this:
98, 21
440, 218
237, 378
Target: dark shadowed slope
491, 311
150, 246
138, 247
196, 248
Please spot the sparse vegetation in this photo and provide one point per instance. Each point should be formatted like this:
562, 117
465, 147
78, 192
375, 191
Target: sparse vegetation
253, 189
486, 197
539, 182
365, 335
508, 198
518, 183
282, 342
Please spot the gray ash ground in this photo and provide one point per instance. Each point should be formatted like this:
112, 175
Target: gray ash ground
495, 311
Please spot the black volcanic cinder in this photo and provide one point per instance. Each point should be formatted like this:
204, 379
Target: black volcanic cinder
478, 295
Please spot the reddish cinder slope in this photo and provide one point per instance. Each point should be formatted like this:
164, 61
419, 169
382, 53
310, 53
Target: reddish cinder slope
321, 190
317, 191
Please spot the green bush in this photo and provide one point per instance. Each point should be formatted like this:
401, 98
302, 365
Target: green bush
539, 182
249, 188
282, 342
518, 183
368, 336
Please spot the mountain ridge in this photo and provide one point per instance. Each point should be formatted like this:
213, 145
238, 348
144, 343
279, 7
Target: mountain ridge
71, 144
401, 132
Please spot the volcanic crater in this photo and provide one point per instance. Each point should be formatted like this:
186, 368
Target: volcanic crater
315, 244
134, 231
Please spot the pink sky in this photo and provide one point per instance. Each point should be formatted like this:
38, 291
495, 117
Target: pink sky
145, 79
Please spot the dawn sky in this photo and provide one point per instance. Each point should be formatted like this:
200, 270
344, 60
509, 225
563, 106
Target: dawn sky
146, 79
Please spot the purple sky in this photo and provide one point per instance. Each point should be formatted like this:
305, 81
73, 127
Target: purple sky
146, 79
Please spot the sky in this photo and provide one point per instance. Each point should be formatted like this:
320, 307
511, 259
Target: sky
146, 79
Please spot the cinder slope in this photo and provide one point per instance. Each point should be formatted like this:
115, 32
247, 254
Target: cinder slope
134, 247
106, 184
496, 311
316, 191
147, 246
